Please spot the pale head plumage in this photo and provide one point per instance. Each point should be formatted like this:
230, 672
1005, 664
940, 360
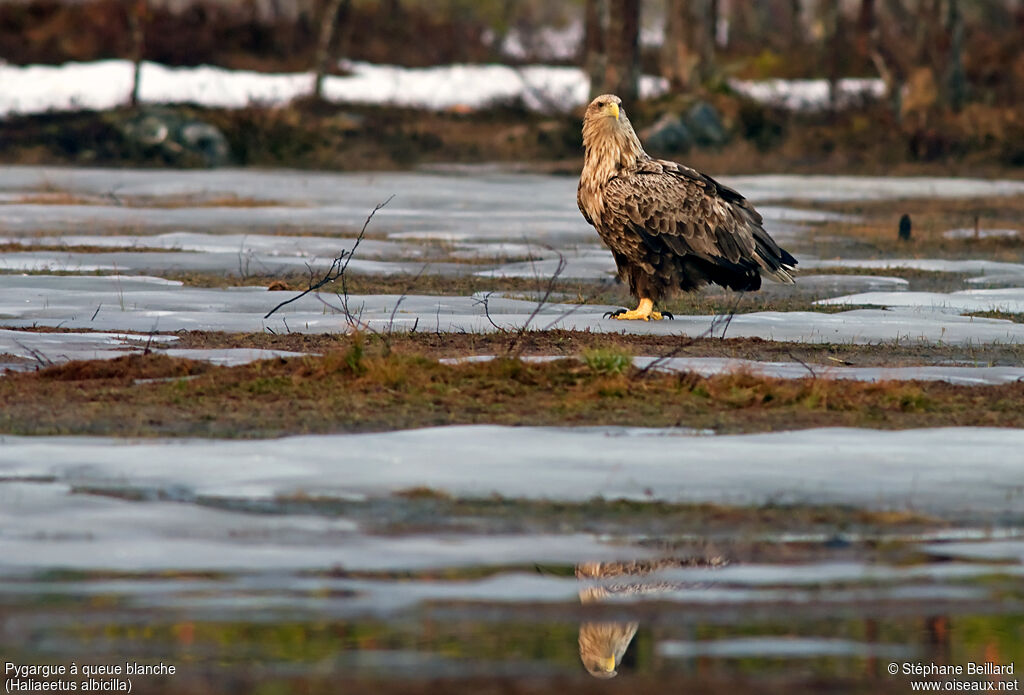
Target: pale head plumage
609, 141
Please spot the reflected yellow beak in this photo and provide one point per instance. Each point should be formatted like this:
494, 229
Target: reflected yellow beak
608, 664
613, 109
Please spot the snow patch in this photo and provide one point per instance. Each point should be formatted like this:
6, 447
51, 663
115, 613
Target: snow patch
810, 95
107, 84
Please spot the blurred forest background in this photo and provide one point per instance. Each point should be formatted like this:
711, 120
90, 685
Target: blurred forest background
948, 76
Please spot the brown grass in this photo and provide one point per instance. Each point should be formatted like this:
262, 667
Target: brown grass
359, 388
124, 369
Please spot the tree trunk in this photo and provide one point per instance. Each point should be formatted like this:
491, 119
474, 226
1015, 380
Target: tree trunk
594, 45
834, 32
328, 27
688, 54
956, 81
866, 16
136, 25
795, 22
705, 17
678, 59
622, 71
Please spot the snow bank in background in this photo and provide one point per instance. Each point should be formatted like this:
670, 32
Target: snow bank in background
107, 84
809, 95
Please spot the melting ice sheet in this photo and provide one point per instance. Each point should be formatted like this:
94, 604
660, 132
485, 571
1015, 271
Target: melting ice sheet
1009, 300
116, 304
31, 349
920, 469
482, 203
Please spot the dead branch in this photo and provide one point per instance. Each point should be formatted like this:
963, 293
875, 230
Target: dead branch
485, 302
38, 356
802, 364
552, 282
338, 266
726, 319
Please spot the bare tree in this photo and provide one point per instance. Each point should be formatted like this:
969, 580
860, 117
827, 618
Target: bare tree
688, 53
705, 21
622, 68
918, 51
794, 22
834, 29
956, 81
328, 28
678, 57
136, 10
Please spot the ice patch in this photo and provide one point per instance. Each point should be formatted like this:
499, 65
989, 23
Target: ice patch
85, 302
982, 234
842, 188
935, 265
44, 348
1009, 300
919, 469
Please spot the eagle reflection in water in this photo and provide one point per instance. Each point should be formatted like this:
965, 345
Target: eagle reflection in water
603, 644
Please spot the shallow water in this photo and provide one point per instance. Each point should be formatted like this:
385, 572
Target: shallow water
297, 554
385, 562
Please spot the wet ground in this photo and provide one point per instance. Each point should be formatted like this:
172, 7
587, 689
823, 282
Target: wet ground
503, 559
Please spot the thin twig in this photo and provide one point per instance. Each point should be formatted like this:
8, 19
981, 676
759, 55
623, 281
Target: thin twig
728, 317
548, 291
338, 266
36, 354
485, 302
802, 364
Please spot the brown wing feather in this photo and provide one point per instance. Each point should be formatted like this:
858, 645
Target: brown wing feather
678, 211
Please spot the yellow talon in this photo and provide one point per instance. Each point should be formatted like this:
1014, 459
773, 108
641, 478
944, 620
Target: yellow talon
644, 312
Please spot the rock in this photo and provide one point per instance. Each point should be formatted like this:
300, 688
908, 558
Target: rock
166, 134
205, 140
148, 130
669, 134
706, 125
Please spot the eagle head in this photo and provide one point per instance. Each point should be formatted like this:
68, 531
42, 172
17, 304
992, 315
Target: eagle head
609, 140
604, 106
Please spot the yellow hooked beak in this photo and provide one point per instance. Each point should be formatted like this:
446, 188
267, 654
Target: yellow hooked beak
613, 109
608, 665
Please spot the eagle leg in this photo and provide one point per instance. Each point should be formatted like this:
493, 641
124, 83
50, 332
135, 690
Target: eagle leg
644, 312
